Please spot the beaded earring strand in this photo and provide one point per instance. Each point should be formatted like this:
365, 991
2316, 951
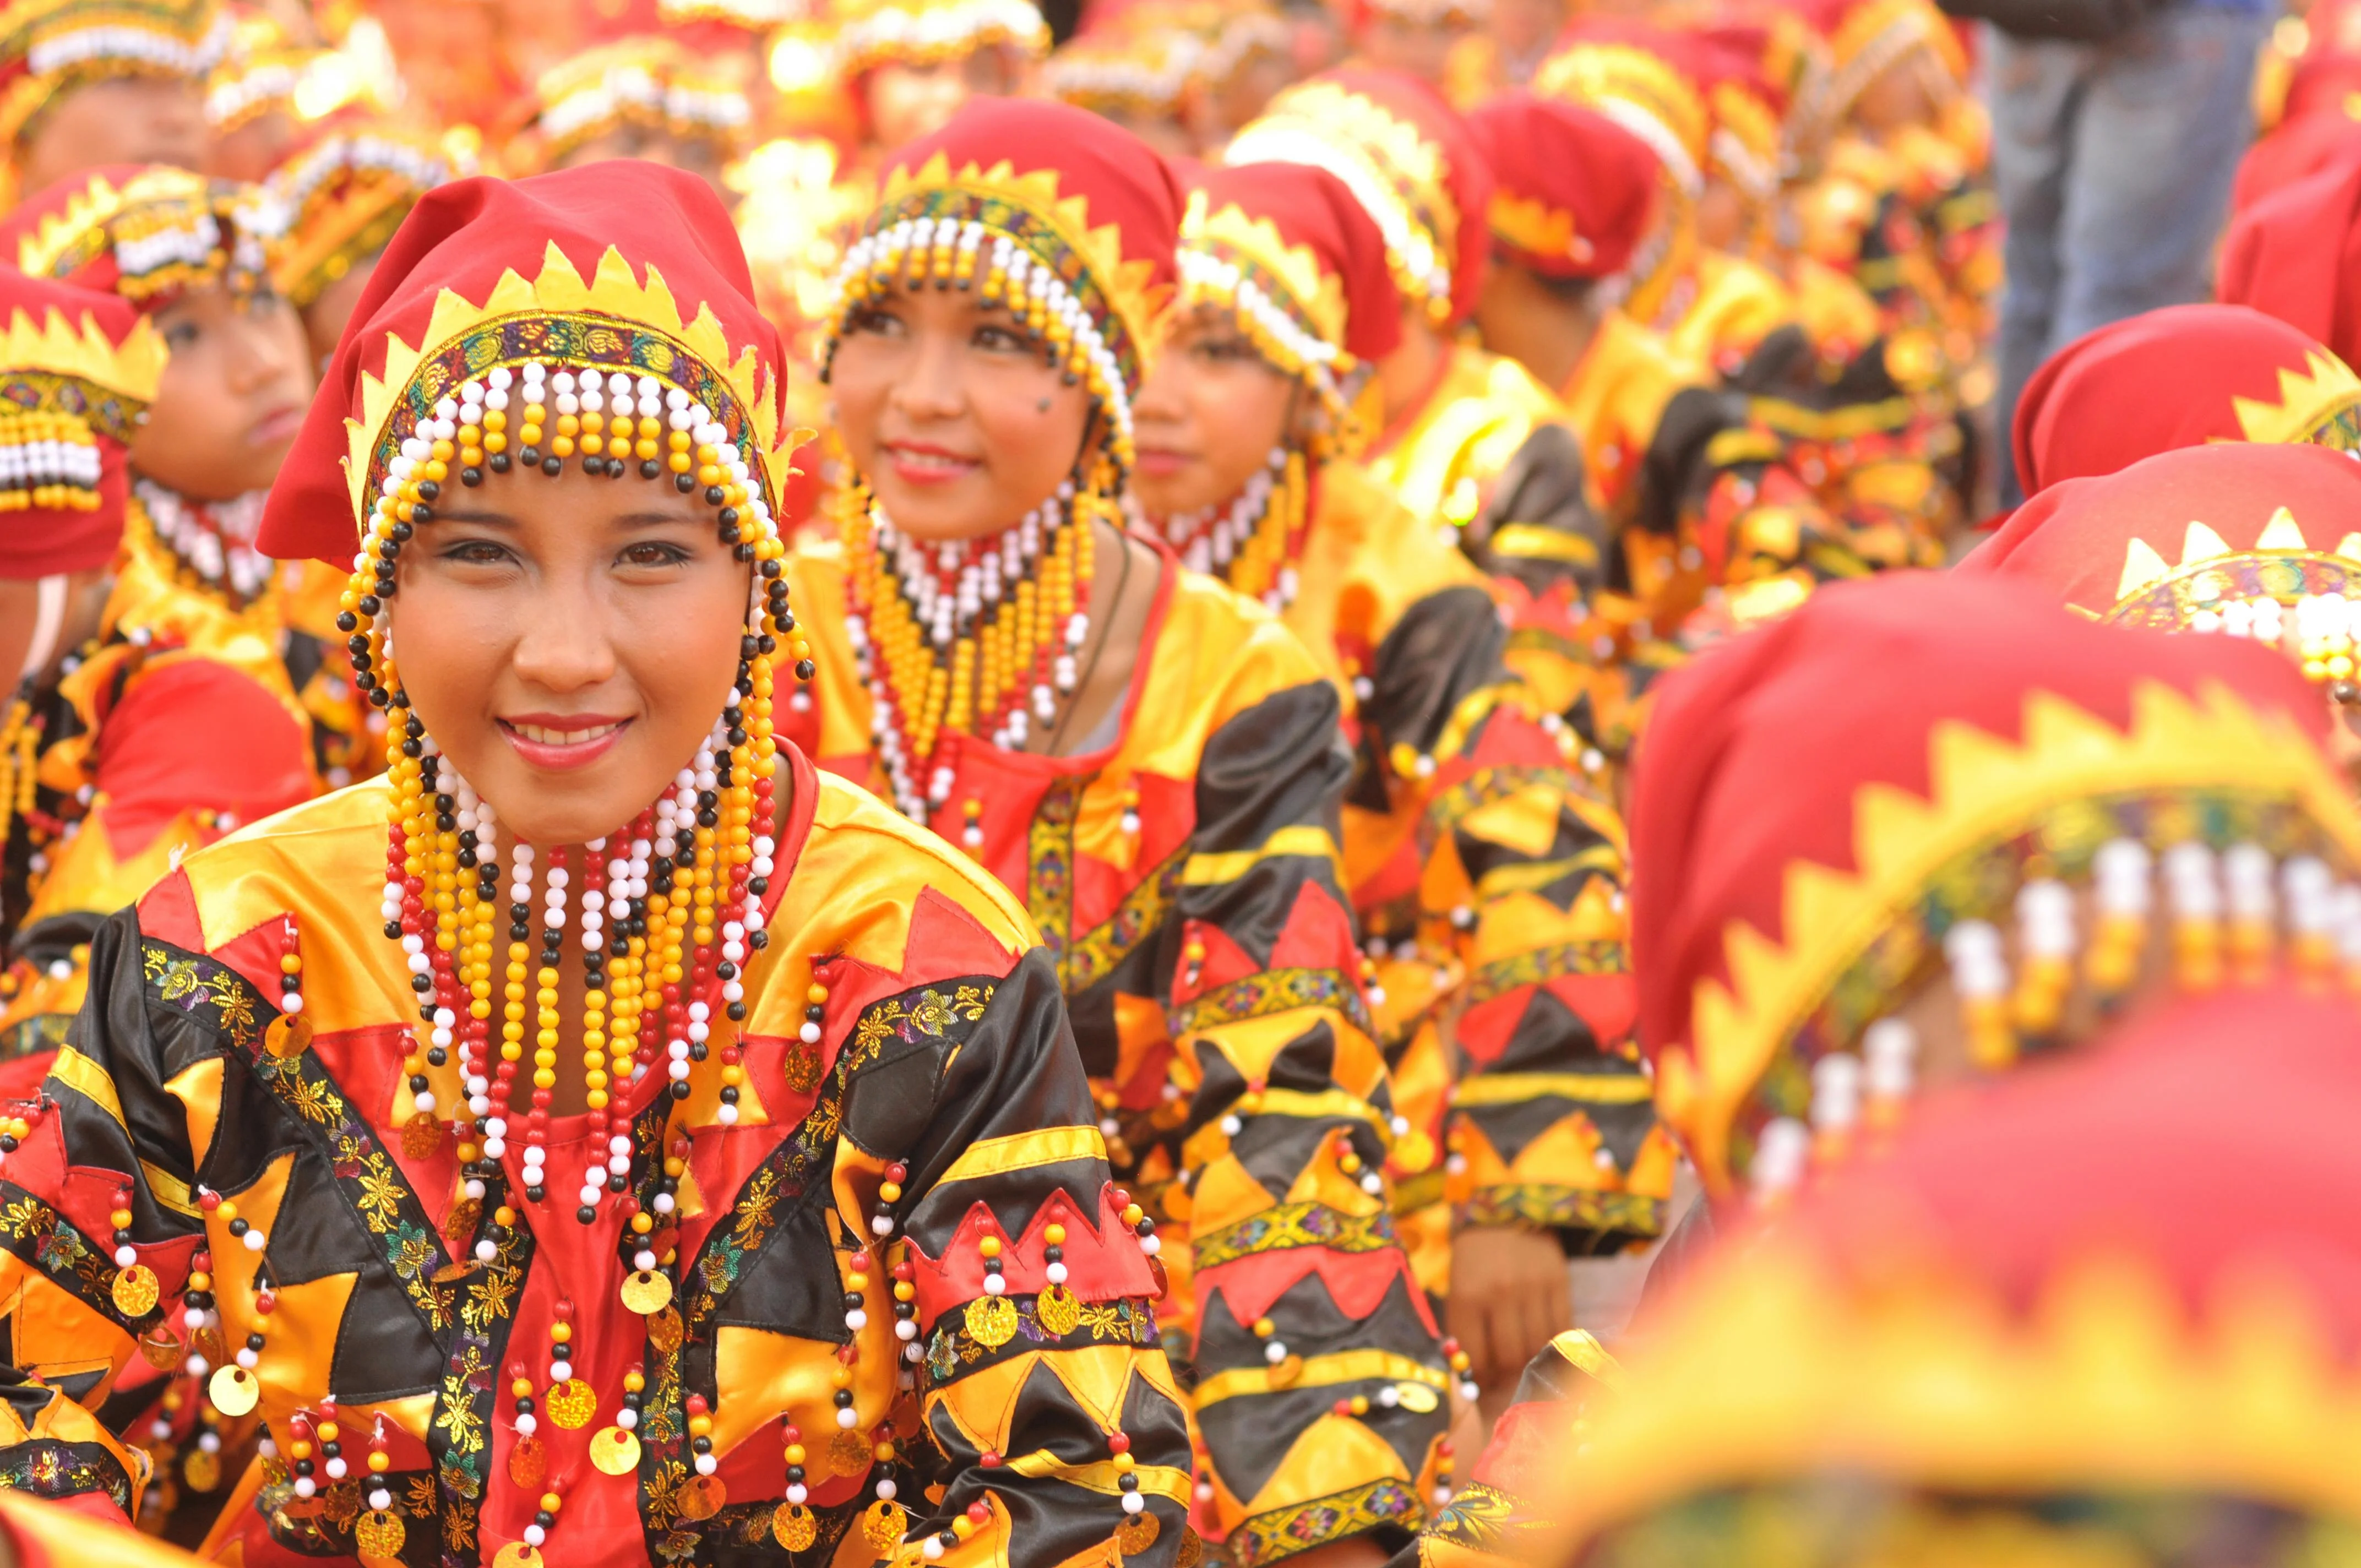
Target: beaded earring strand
1253, 541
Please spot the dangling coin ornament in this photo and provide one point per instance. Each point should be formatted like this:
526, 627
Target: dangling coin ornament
1059, 1310
528, 1462
885, 1525
162, 1348
135, 1291
235, 1391
793, 1527
615, 1452
665, 1331
1137, 1533
571, 1404
848, 1453
289, 1036
517, 1554
422, 1138
379, 1534
993, 1320
700, 1497
1418, 1397
202, 1470
646, 1291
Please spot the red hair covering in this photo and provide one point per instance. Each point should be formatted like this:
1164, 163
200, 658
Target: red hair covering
77, 369
2296, 149
1646, 78
2297, 256
1817, 803
2196, 539
2056, 1289
650, 247
1577, 192
1284, 211
146, 231
1408, 159
2182, 375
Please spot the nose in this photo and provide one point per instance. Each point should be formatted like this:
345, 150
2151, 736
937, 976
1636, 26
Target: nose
260, 353
1161, 401
564, 645
934, 388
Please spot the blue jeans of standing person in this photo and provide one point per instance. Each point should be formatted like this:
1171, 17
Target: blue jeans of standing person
2113, 162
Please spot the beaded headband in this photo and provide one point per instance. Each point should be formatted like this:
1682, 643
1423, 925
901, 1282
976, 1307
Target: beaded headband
342, 198
65, 386
59, 44
1126, 74
2230, 801
1016, 241
261, 68
926, 32
1640, 91
167, 231
1394, 173
2318, 406
2284, 592
1874, 36
1293, 312
638, 82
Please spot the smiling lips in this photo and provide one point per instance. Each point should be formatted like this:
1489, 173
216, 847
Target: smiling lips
561, 740
918, 464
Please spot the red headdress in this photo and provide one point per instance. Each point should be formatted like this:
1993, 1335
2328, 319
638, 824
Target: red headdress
627, 268
49, 47
1646, 79
2253, 541
1832, 811
2297, 256
2130, 1284
1027, 198
2182, 375
1577, 192
77, 369
148, 233
1408, 159
345, 191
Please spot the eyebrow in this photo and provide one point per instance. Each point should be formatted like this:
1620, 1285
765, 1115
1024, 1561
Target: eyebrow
620, 520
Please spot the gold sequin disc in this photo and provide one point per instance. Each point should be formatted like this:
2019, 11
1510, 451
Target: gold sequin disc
848, 1453
1137, 1533
700, 1497
646, 1291
422, 1138
235, 1391
615, 1452
992, 1320
800, 1067
885, 1525
665, 1331
517, 1554
793, 1527
528, 1462
135, 1291
162, 1347
1418, 1397
379, 1534
288, 1036
1060, 1310
202, 1470
571, 1404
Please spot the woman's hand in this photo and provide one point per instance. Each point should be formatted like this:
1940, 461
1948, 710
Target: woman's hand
1509, 1294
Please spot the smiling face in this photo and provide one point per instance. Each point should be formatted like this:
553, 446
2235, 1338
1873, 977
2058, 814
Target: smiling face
231, 397
1209, 415
953, 414
568, 642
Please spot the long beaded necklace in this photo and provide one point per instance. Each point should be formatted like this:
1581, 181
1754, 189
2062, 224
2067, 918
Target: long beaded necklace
974, 636
212, 541
1254, 541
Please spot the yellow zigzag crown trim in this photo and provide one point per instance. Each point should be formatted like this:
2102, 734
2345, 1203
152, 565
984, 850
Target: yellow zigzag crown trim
1316, 296
2144, 566
1130, 286
2308, 400
97, 204
1395, 149
1981, 787
1779, 1371
613, 290
1532, 226
79, 349
1597, 73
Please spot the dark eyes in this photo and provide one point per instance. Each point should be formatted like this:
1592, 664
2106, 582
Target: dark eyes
1226, 349
653, 553
181, 334
874, 319
646, 555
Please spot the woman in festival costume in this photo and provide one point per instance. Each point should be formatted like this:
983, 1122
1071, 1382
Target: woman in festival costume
693, 1165
342, 195
202, 704
89, 82
77, 369
1154, 765
910, 64
1246, 432
1463, 437
645, 97
2015, 1344
2183, 376
251, 121
2013, 828
1135, 72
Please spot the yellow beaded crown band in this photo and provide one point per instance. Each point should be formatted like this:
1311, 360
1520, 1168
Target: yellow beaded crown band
1292, 310
64, 384
649, 83
869, 33
1018, 243
342, 198
49, 45
151, 236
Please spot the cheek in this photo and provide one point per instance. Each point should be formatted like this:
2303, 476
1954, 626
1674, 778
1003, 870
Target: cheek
858, 383
1032, 449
